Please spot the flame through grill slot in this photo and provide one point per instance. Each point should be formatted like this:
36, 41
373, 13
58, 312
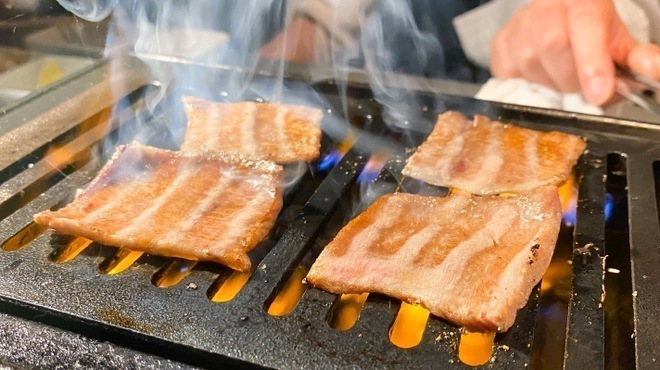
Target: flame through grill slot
606, 255
119, 261
71, 250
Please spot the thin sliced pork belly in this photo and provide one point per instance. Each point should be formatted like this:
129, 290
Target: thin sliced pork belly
278, 132
471, 260
198, 207
489, 157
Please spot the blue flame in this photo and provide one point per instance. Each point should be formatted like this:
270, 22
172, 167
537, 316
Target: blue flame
569, 217
609, 205
570, 212
371, 170
552, 312
330, 160
367, 176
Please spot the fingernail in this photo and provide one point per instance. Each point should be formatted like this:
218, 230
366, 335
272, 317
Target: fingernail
597, 90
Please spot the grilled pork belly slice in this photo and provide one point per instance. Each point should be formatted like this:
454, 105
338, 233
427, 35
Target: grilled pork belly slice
471, 260
278, 132
489, 157
211, 207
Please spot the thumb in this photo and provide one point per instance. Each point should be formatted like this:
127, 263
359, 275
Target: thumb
645, 59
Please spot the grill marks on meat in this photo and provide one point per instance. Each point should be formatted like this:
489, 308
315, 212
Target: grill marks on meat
489, 157
462, 257
198, 207
278, 132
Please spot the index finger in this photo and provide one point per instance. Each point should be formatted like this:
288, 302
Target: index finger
589, 28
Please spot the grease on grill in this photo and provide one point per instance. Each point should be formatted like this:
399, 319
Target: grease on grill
117, 318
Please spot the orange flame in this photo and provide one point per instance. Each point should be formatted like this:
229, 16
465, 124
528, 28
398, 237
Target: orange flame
24, 237
374, 166
409, 325
72, 249
475, 349
120, 261
173, 273
346, 311
287, 299
230, 287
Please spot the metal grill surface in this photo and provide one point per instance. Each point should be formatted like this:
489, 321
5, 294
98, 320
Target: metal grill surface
180, 322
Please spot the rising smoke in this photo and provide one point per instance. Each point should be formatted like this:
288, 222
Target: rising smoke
227, 36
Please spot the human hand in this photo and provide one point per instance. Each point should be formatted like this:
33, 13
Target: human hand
571, 46
294, 44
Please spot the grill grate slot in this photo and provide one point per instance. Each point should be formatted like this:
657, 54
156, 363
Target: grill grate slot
549, 342
121, 260
34, 159
346, 310
227, 285
48, 200
278, 265
23, 237
409, 326
173, 273
645, 253
288, 294
59, 160
619, 319
73, 248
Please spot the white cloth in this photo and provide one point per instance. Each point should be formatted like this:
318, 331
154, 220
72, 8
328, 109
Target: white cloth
522, 92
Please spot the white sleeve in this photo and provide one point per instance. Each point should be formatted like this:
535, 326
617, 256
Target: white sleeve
339, 18
652, 10
635, 18
475, 28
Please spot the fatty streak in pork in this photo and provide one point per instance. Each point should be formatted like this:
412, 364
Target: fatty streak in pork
489, 157
248, 140
472, 260
199, 207
279, 132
